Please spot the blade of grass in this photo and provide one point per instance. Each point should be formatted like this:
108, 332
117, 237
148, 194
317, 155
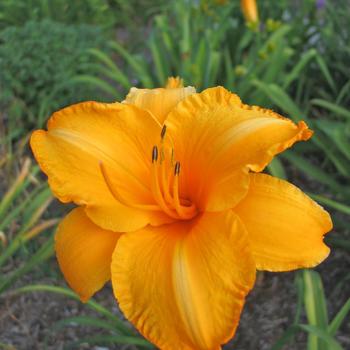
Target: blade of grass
324, 69
338, 242
45, 252
331, 203
286, 338
160, 66
68, 293
315, 306
97, 82
276, 169
117, 73
13, 214
16, 187
289, 334
321, 334
110, 339
313, 171
339, 318
336, 109
84, 321
281, 99
139, 69
294, 74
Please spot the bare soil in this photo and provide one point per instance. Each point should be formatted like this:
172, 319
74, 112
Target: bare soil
27, 321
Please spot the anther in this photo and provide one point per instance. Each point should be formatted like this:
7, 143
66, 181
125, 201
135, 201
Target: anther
154, 154
177, 168
162, 134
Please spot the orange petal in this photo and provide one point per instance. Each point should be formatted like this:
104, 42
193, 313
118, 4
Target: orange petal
183, 285
84, 253
217, 138
82, 136
284, 225
158, 101
174, 82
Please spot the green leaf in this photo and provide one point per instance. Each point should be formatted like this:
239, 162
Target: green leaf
139, 68
120, 326
110, 339
159, 61
84, 321
281, 99
286, 337
315, 306
295, 72
98, 83
338, 242
336, 131
112, 66
313, 171
276, 168
45, 252
331, 203
336, 109
321, 334
339, 318
324, 69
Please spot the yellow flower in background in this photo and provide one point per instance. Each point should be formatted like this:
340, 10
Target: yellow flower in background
250, 10
174, 209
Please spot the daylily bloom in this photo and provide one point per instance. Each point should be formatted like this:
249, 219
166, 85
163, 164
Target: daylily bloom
174, 209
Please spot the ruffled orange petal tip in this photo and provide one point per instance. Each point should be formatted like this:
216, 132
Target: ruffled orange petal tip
172, 207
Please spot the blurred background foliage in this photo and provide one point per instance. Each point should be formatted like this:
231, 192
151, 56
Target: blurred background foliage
295, 60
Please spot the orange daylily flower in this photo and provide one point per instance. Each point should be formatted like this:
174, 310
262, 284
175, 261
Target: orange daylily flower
174, 209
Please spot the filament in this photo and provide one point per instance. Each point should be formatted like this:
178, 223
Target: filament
116, 195
183, 211
158, 196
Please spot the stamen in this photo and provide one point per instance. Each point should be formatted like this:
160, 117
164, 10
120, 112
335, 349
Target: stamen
184, 212
158, 196
162, 134
165, 181
154, 154
177, 168
117, 195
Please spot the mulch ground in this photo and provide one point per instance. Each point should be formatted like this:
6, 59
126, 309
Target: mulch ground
27, 321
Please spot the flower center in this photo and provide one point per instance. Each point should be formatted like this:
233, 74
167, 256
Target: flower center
164, 185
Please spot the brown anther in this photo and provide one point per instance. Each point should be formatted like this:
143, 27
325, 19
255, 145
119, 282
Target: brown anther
162, 134
177, 168
154, 154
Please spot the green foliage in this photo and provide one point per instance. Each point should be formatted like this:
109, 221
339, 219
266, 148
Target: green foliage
186, 39
295, 62
321, 332
104, 13
116, 331
23, 205
206, 46
37, 63
16, 13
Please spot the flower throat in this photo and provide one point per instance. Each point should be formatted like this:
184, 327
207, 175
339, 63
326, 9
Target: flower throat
164, 185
